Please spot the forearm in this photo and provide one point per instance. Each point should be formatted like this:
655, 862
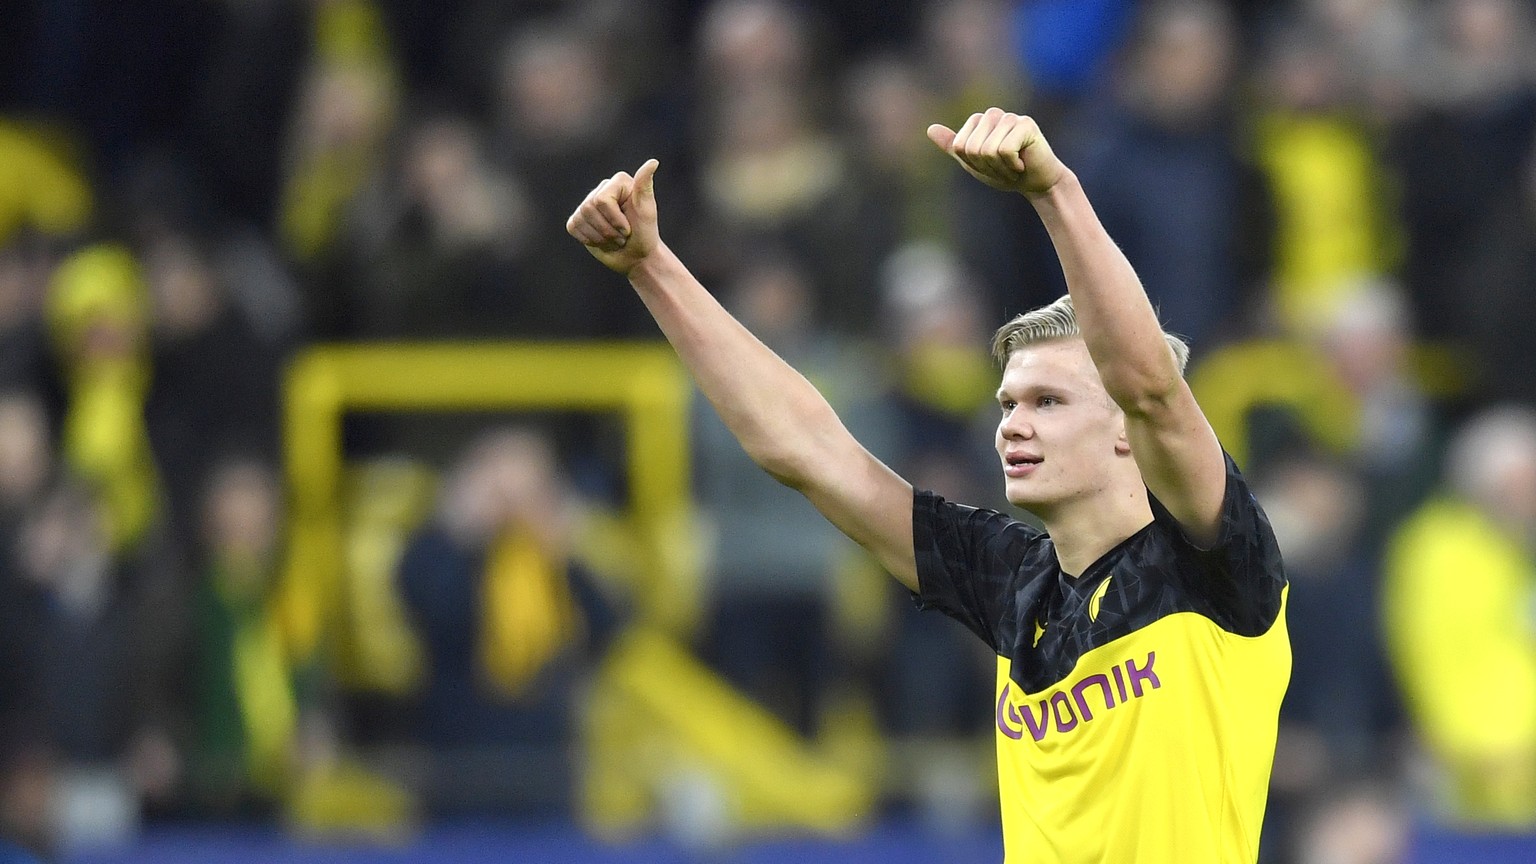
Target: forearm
779, 418
1117, 320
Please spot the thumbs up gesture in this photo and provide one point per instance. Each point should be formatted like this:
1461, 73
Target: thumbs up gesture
617, 221
1003, 150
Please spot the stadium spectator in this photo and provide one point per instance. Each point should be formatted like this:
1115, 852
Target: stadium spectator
26, 466
966, 48
347, 105
1502, 313
772, 170
746, 44
1379, 42
1333, 220
883, 96
91, 665
1457, 158
891, 187
214, 380
434, 243
1368, 341
1338, 720
967, 55
256, 724
1460, 581
939, 408
1169, 136
98, 326
506, 620
552, 122
346, 111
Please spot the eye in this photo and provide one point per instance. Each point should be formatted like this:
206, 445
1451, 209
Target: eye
1047, 401
1007, 405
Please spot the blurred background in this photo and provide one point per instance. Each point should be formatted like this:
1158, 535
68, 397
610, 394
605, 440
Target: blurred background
349, 511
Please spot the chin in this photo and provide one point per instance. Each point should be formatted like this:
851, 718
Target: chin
1030, 493
1022, 498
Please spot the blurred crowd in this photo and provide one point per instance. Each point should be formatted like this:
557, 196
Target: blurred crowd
1334, 200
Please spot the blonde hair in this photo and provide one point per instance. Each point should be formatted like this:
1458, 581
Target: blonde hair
1058, 321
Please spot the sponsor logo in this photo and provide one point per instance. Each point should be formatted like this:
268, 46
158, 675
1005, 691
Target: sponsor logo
1064, 709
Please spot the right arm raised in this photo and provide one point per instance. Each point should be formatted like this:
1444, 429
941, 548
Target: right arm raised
783, 423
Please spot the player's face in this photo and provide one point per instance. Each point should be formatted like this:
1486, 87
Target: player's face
1059, 429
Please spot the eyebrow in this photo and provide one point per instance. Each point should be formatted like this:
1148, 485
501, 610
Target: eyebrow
1058, 387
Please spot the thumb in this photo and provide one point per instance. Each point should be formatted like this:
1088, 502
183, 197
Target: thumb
643, 184
941, 135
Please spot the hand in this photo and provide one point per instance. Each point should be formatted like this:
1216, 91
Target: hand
1003, 150
617, 221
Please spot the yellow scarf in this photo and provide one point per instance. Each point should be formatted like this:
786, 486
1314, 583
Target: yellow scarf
106, 442
268, 710
104, 437
527, 613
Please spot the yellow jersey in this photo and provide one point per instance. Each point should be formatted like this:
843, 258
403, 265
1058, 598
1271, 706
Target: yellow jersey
1136, 704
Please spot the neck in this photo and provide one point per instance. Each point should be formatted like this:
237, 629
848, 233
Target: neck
1082, 531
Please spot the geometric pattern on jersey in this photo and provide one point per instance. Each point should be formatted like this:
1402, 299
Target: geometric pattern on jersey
1136, 705
1000, 578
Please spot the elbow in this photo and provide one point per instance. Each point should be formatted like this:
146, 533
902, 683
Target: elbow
803, 460
800, 446
785, 467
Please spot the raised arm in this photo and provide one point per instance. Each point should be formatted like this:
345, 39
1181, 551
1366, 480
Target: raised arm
782, 422
1175, 449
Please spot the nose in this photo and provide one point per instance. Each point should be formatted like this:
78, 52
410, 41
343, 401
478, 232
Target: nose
1015, 426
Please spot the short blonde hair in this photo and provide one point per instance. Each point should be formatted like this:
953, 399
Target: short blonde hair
1058, 321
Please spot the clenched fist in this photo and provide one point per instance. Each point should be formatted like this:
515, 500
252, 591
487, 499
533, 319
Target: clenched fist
1003, 150
617, 221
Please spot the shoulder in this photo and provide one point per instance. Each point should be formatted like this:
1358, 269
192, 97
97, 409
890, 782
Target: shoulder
974, 564
1238, 579
943, 522
1242, 519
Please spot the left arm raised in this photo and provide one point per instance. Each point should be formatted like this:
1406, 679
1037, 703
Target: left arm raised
1176, 450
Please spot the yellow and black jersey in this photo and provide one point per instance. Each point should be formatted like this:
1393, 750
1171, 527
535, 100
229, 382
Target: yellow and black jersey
1136, 703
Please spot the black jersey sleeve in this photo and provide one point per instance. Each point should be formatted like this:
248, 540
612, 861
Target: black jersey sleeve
969, 563
1240, 575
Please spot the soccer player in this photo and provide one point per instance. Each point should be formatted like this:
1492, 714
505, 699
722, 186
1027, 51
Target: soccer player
1141, 644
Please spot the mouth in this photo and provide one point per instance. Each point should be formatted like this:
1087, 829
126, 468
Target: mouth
1020, 464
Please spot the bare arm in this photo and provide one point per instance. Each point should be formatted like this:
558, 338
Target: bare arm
780, 419
1175, 449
